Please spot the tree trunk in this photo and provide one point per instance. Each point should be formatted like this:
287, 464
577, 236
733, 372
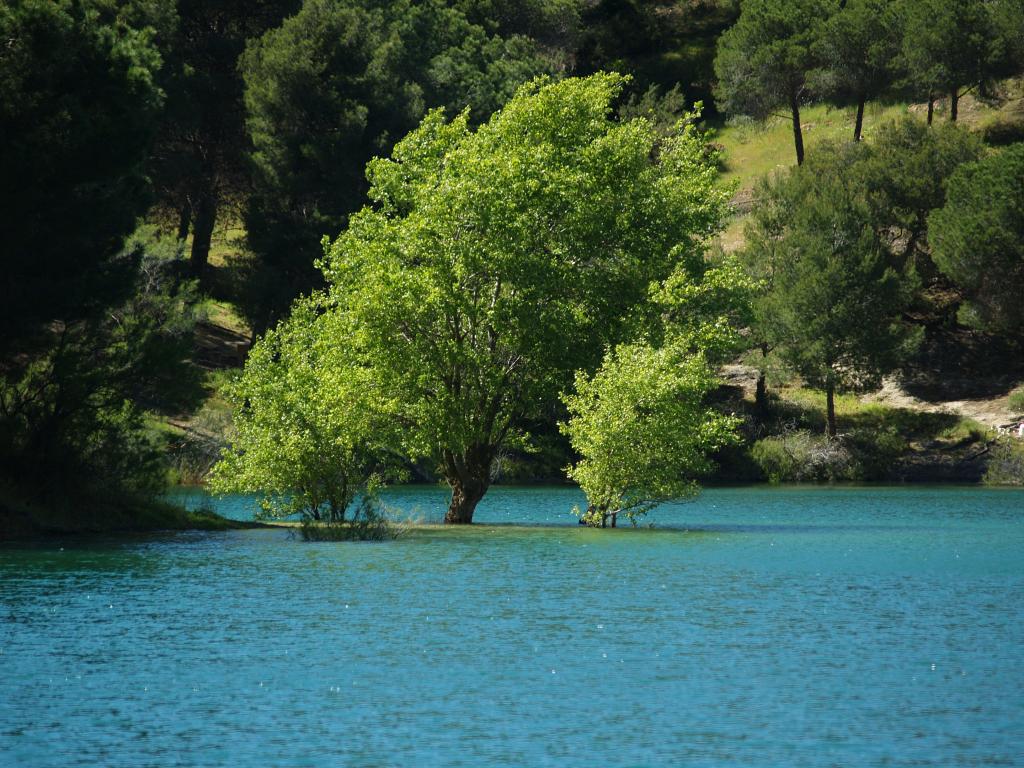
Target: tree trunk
798, 135
202, 232
954, 104
469, 476
761, 396
761, 392
184, 221
931, 107
830, 410
859, 125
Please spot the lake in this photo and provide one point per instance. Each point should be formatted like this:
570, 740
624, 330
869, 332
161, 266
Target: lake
751, 627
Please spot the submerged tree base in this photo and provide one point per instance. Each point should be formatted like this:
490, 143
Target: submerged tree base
377, 529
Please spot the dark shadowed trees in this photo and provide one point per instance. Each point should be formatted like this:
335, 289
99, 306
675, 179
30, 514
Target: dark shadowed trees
858, 48
334, 86
835, 305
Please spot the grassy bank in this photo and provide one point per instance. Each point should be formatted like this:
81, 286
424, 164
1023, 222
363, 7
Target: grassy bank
23, 517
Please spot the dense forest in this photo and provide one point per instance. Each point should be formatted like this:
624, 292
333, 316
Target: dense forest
308, 247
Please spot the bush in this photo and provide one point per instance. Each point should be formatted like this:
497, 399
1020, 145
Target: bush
874, 451
1006, 465
368, 523
800, 456
1002, 132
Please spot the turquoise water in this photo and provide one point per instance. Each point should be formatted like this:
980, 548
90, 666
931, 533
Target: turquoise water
753, 627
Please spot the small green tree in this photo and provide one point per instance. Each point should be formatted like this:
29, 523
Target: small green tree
497, 262
643, 429
641, 423
978, 238
763, 60
307, 435
835, 306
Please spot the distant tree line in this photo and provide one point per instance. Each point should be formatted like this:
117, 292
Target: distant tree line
781, 54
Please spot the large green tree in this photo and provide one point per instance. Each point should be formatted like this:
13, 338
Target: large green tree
763, 61
495, 263
335, 85
978, 238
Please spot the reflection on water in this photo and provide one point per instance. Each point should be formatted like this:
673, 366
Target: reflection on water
752, 627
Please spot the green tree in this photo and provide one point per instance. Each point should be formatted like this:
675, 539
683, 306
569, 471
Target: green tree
904, 173
641, 424
497, 262
333, 87
763, 61
978, 238
308, 435
72, 415
857, 48
835, 306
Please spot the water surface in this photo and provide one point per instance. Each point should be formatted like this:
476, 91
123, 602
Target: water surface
752, 627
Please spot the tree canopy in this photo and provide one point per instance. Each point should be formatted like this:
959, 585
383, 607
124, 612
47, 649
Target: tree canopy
978, 237
499, 261
642, 424
835, 304
78, 110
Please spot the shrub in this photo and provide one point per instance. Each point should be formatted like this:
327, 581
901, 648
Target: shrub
1006, 464
368, 523
800, 456
1002, 132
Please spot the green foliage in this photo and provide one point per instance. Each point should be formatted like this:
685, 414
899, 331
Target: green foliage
499, 261
949, 45
78, 106
1016, 401
763, 61
71, 417
800, 456
333, 87
904, 173
643, 429
857, 48
978, 238
1006, 463
834, 303
660, 43
307, 437
198, 164
367, 523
